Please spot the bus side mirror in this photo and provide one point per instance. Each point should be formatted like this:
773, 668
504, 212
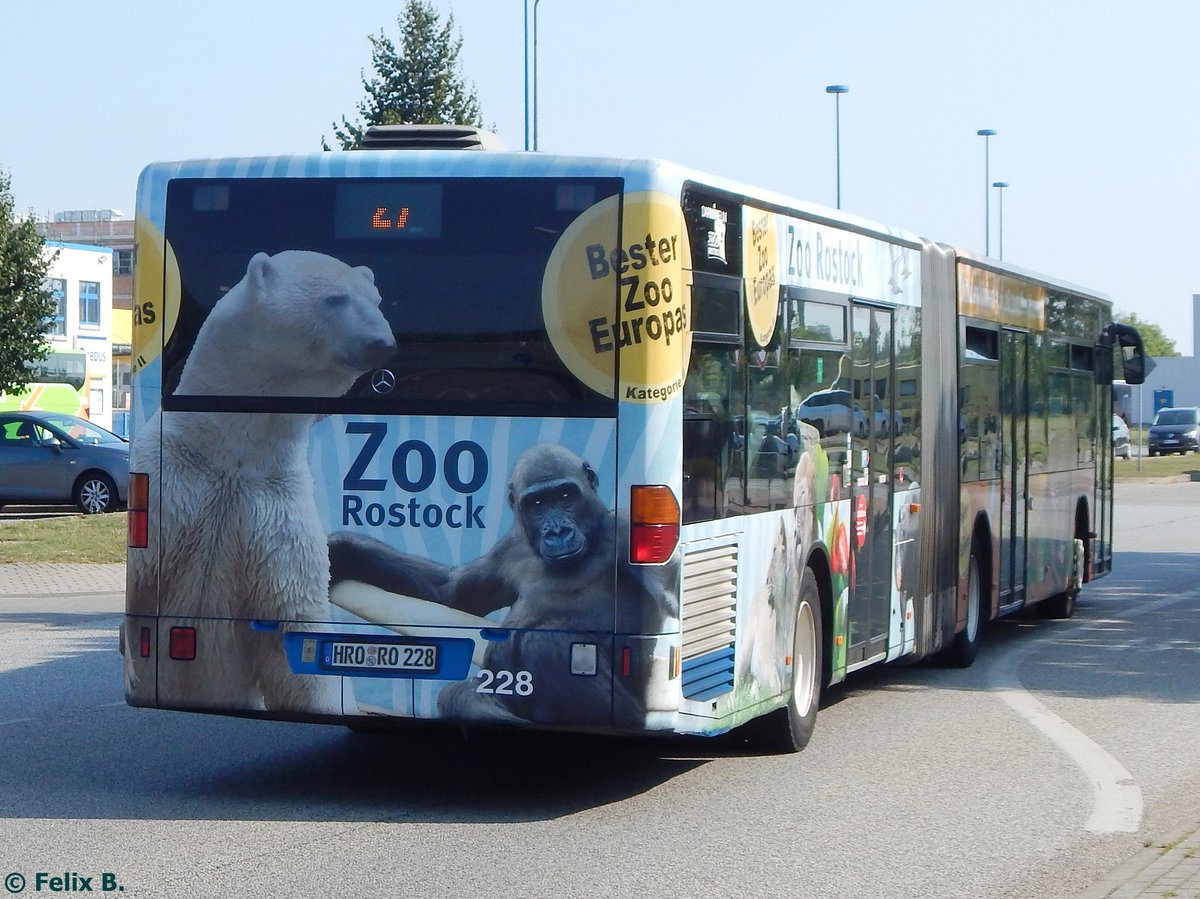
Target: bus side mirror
1136, 364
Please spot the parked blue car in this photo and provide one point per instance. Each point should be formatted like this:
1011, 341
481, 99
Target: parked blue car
52, 457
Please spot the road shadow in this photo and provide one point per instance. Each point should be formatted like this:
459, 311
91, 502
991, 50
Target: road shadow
1130, 636
73, 749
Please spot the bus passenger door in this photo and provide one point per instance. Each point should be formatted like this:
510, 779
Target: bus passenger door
1014, 473
871, 482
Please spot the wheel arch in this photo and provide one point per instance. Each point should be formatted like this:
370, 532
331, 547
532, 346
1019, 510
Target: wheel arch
981, 536
1083, 531
818, 561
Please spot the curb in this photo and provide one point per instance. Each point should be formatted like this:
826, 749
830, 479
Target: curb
1170, 866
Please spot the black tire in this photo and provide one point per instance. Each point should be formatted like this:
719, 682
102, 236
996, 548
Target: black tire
95, 493
1062, 605
962, 651
790, 728
1151, 453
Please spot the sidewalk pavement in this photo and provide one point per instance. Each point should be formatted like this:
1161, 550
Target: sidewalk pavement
1167, 867
27, 589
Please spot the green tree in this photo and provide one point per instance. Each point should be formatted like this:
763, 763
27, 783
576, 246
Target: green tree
1155, 341
419, 84
25, 298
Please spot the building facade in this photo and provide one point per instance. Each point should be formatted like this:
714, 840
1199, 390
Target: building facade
80, 279
1178, 374
110, 230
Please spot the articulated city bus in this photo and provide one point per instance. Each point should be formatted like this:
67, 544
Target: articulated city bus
591, 444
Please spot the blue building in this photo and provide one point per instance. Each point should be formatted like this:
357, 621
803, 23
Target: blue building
1178, 374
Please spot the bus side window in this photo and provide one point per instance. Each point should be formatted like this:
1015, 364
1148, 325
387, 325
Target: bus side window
771, 459
710, 439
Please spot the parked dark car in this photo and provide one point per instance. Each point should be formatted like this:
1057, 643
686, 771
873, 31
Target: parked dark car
1175, 430
51, 457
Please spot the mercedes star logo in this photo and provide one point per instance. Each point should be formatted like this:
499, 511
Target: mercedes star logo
383, 381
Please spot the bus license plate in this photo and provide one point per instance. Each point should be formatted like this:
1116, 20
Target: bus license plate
382, 656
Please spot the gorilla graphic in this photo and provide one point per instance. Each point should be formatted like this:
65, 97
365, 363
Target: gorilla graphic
561, 570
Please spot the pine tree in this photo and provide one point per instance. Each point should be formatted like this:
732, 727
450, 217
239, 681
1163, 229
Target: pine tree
26, 301
418, 85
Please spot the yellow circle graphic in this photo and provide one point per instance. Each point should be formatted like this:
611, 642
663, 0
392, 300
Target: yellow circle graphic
616, 297
760, 262
156, 289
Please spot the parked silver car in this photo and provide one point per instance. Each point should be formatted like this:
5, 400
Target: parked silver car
832, 412
51, 457
1120, 437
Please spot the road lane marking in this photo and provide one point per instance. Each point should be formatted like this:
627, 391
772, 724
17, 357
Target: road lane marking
1116, 798
1117, 804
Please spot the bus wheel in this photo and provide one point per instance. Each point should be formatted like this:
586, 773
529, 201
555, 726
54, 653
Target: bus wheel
1063, 605
790, 728
95, 493
961, 653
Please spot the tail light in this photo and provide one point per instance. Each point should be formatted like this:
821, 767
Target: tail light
182, 645
653, 524
139, 510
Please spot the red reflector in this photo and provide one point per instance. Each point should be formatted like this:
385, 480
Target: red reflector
139, 505
626, 662
183, 644
145, 643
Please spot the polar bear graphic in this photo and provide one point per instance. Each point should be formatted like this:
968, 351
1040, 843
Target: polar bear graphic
239, 535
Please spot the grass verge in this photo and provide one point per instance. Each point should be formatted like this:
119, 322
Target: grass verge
79, 538
1158, 467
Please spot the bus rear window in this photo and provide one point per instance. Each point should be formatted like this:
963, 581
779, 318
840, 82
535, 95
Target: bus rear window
458, 265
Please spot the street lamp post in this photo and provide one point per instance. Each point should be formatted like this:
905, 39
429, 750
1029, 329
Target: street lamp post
1000, 185
527, 86
837, 90
525, 3
986, 134
535, 78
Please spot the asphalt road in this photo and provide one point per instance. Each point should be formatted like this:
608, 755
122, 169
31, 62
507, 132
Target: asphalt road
1065, 748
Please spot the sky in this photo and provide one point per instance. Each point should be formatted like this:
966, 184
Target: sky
1095, 104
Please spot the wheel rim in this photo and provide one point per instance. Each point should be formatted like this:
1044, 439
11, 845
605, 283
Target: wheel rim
973, 589
804, 682
93, 496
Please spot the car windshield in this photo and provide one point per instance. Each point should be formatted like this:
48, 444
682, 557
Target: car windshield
82, 430
1176, 417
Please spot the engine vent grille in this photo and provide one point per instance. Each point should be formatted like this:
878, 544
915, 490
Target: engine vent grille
709, 619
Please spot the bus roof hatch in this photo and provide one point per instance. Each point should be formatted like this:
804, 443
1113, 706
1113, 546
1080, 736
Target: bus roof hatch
429, 137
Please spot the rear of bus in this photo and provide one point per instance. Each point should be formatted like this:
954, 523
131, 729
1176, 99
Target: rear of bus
386, 464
